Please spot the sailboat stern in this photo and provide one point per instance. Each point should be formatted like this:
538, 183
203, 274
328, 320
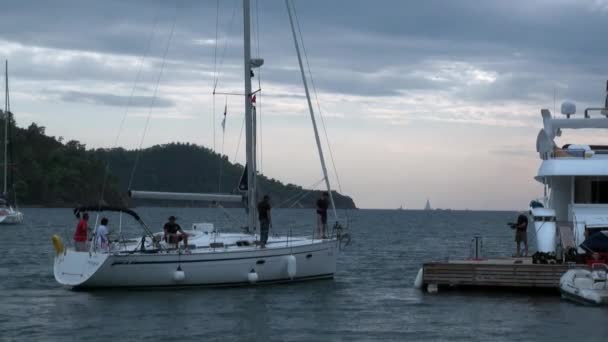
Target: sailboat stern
74, 268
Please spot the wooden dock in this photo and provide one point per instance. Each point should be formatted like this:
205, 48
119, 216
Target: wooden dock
492, 273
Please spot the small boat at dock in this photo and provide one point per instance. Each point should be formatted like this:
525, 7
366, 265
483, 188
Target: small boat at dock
586, 286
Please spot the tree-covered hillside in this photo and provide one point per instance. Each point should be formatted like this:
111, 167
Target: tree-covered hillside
50, 172
45, 171
182, 167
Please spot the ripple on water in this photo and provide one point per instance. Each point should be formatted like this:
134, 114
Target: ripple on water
371, 298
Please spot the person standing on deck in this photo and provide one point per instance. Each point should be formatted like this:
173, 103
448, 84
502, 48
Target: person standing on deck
265, 220
81, 233
322, 205
521, 234
101, 235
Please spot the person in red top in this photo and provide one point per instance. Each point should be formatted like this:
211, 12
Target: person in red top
80, 236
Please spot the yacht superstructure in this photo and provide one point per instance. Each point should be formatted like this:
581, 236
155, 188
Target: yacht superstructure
575, 177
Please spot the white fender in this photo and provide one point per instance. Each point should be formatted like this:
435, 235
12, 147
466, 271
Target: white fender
291, 266
418, 280
179, 275
252, 277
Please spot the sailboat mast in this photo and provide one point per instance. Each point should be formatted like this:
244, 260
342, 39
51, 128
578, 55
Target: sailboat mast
249, 129
312, 114
6, 119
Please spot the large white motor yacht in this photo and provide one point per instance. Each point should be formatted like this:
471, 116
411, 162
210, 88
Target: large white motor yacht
575, 179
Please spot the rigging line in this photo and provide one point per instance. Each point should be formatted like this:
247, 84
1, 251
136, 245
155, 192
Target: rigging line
257, 33
331, 154
312, 186
230, 26
162, 68
7, 105
238, 144
130, 100
217, 21
230, 94
213, 115
219, 186
304, 195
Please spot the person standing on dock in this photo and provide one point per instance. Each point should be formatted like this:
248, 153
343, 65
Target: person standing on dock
265, 220
521, 234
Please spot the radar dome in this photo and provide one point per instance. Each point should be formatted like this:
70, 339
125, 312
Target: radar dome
568, 108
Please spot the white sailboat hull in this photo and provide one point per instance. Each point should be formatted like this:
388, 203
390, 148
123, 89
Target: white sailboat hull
316, 260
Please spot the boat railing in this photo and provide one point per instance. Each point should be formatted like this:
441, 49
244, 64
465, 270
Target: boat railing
559, 153
476, 248
598, 266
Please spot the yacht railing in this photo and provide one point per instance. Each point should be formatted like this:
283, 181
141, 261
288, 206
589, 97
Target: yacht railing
577, 154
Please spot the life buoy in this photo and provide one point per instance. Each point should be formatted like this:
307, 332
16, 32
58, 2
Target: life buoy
57, 244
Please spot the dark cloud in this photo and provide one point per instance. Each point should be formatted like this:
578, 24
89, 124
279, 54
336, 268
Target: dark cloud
355, 47
115, 100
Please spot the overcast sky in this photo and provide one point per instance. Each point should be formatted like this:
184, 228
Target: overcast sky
421, 99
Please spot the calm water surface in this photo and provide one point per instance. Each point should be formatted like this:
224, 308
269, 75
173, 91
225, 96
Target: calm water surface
370, 299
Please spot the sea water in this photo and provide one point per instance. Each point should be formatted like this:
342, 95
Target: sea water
371, 298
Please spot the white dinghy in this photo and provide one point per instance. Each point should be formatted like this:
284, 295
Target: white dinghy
585, 286
211, 258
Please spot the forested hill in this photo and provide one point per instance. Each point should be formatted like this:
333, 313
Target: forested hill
186, 167
47, 171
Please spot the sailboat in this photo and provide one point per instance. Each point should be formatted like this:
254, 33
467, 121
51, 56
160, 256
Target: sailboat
211, 258
427, 206
8, 213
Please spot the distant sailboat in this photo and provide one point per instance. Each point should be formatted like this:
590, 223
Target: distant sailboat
428, 205
9, 214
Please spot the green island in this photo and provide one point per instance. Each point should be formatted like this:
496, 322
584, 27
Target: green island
50, 172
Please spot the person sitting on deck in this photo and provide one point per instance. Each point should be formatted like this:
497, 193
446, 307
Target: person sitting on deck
174, 233
521, 234
80, 235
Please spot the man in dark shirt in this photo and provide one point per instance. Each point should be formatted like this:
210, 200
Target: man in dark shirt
174, 233
265, 220
521, 234
322, 205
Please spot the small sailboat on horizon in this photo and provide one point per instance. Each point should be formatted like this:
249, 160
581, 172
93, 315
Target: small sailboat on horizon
427, 206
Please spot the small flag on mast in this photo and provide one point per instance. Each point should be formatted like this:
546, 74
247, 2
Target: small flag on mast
253, 100
224, 120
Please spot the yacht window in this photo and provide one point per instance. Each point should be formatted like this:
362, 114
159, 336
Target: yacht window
599, 191
591, 190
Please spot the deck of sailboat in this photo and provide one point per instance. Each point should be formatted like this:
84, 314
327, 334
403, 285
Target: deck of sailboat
222, 243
